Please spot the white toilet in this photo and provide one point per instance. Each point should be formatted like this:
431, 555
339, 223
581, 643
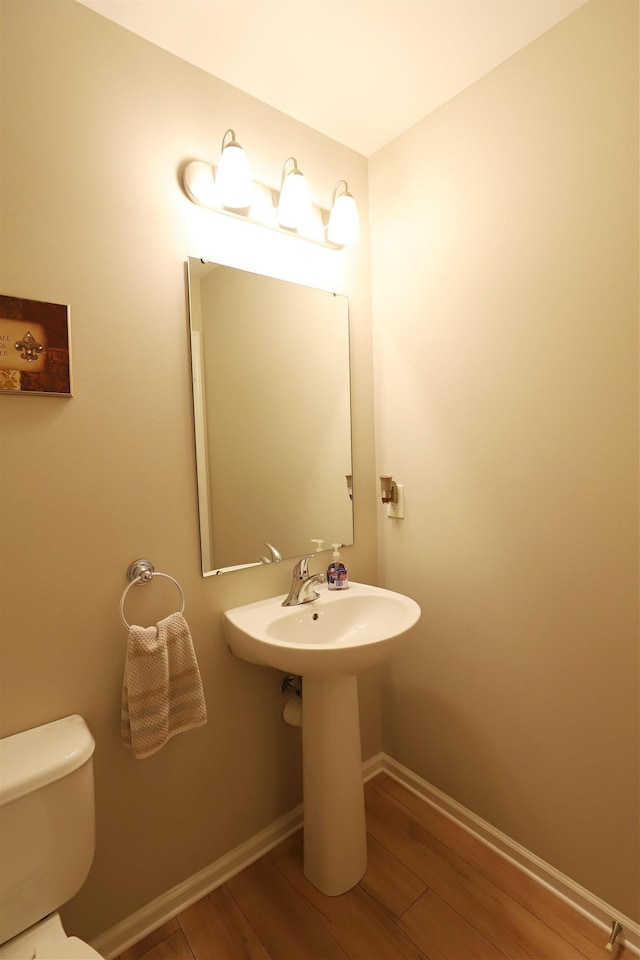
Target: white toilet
47, 837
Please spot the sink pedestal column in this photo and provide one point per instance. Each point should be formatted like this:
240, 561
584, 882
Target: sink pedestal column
335, 836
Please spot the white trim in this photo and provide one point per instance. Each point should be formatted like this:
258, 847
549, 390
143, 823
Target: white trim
163, 908
558, 883
154, 914
373, 766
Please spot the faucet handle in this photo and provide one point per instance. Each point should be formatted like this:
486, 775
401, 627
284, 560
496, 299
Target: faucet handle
301, 569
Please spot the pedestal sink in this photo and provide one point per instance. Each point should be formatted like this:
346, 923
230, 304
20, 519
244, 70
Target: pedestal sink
328, 642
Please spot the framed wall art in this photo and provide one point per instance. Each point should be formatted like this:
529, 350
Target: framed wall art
35, 354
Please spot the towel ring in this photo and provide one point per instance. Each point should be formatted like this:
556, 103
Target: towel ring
142, 571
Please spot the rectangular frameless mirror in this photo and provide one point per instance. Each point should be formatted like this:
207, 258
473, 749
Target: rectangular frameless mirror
272, 408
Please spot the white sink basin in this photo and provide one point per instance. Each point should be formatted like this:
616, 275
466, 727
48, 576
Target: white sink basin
344, 631
328, 642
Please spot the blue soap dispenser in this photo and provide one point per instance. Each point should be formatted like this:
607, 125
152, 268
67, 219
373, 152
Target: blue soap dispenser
337, 578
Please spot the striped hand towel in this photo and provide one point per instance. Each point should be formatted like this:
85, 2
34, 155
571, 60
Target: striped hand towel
162, 690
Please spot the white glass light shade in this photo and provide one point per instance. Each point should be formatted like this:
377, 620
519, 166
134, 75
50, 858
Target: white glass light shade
344, 223
294, 206
234, 185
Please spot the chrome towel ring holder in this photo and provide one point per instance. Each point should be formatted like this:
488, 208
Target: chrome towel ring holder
142, 571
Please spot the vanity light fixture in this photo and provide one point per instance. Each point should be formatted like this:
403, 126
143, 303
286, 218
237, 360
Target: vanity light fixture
229, 189
234, 184
294, 205
344, 223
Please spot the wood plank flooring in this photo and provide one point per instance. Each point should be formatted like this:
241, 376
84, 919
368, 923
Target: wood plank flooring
431, 892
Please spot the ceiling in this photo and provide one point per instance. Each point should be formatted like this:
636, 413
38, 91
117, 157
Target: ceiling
359, 71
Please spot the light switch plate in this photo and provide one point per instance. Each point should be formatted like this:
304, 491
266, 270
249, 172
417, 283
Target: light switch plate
396, 510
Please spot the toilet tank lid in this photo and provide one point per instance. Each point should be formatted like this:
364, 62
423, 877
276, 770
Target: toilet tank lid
34, 758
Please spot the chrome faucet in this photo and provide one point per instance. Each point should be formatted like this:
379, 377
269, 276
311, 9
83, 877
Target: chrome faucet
302, 584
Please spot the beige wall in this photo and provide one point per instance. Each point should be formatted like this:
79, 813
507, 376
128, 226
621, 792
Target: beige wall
95, 126
506, 307
505, 299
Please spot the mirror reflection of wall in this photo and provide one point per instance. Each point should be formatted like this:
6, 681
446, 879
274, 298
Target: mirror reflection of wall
272, 415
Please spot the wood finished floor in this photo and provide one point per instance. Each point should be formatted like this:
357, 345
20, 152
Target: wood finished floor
431, 892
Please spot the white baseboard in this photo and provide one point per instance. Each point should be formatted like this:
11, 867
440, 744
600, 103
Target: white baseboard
165, 907
562, 886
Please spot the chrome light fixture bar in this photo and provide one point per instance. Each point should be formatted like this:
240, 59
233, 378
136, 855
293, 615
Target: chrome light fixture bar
230, 189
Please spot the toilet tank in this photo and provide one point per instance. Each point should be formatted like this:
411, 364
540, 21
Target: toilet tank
47, 820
